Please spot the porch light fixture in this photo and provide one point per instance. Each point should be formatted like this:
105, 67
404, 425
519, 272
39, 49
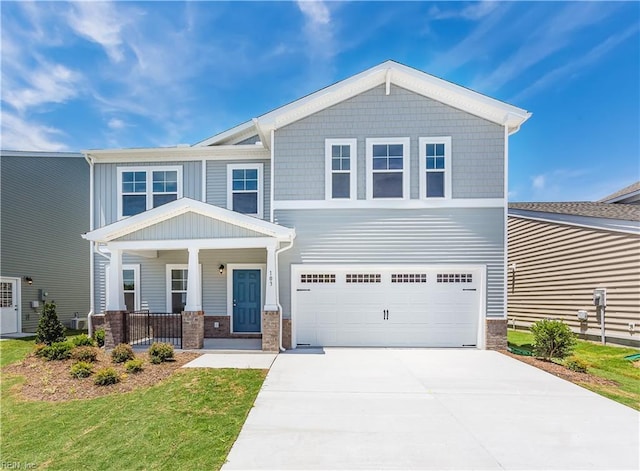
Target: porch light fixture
221, 268
28, 280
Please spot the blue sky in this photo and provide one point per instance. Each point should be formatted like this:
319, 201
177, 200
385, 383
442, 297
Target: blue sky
127, 74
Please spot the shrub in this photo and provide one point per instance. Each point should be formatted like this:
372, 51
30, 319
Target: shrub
39, 348
83, 340
106, 376
57, 351
85, 354
122, 353
82, 369
134, 366
552, 339
98, 336
159, 352
50, 329
576, 364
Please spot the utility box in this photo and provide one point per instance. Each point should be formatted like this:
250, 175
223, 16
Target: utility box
583, 315
600, 297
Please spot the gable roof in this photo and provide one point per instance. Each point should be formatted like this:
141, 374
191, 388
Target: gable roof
389, 72
628, 191
182, 206
626, 212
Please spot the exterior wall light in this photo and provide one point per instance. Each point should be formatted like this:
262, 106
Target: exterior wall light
28, 280
221, 268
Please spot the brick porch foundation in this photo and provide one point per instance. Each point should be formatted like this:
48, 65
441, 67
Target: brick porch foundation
270, 331
192, 329
114, 328
496, 334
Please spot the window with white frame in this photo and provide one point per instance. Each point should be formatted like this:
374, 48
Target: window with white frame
130, 286
340, 165
435, 167
244, 188
388, 168
177, 279
143, 188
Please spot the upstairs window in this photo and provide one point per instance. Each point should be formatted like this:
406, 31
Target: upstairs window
435, 167
143, 188
340, 165
388, 168
244, 189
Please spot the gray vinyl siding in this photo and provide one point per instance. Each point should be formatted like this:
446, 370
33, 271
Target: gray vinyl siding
106, 186
190, 226
45, 209
153, 277
434, 236
477, 144
249, 140
217, 182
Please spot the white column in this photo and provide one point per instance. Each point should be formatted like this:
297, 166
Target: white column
270, 303
115, 295
194, 285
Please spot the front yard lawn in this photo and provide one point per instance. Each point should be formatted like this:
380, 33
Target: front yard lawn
605, 362
188, 421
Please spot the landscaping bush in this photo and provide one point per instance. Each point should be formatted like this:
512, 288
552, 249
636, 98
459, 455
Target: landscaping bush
552, 339
106, 376
86, 354
82, 369
159, 352
122, 353
83, 340
50, 329
576, 364
39, 348
57, 351
134, 366
98, 336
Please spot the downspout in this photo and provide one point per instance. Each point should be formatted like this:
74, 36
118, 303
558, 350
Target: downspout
278, 252
91, 245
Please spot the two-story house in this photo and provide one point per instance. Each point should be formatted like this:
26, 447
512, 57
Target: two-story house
369, 213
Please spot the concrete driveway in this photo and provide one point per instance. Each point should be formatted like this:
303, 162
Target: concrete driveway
429, 409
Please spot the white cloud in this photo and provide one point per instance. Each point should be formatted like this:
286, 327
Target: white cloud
316, 11
115, 123
538, 182
318, 28
19, 134
474, 12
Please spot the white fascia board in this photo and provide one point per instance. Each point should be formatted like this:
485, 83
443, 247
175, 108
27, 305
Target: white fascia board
202, 244
29, 153
226, 152
182, 206
615, 225
241, 130
623, 197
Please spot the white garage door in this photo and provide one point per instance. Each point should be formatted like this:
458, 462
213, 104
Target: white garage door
417, 306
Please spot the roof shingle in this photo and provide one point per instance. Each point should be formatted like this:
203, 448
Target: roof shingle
627, 212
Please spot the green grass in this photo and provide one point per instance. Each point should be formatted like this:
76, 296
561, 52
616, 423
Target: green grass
604, 361
188, 421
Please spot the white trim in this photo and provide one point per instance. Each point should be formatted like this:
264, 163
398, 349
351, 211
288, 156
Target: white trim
613, 225
393, 203
247, 128
248, 166
203, 196
296, 268
17, 282
202, 244
136, 280
160, 154
505, 235
422, 165
181, 206
167, 286
244, 266
271, 175
149, 183
353, 168
406, 152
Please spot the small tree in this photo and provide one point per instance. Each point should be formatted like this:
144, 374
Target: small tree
50, 329
552, 339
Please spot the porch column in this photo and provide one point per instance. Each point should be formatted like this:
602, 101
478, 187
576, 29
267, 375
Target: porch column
115, 294
194, 285
270, 303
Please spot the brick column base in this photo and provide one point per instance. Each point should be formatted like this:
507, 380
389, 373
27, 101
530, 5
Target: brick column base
270, 331
192, 329
496, 334
114, 328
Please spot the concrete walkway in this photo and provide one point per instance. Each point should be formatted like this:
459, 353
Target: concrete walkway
258, 361
429, 409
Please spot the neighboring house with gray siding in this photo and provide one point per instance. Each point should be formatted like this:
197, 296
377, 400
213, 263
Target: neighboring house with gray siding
371, 213
44, 210
561, 252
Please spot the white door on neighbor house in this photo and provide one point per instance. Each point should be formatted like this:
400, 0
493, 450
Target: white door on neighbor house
8, 306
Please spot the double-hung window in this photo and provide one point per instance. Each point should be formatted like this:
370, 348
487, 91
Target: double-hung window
388, 168
340, 168
143, 188
130, 286
244, 189
435, 167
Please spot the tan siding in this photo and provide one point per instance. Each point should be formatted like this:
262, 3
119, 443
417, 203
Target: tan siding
558, 267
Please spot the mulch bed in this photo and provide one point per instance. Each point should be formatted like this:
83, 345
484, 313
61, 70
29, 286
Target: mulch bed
52, 381
561, 371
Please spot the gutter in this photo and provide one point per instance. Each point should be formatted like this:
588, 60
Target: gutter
91, 246
278, 252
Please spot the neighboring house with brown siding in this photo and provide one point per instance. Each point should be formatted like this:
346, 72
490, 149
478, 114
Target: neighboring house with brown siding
560, 252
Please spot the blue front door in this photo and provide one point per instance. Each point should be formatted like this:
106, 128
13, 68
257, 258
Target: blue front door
246, 301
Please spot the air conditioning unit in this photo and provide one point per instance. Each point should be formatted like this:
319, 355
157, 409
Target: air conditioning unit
79, 323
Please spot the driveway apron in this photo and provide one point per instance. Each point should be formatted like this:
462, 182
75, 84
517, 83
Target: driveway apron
430, 409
